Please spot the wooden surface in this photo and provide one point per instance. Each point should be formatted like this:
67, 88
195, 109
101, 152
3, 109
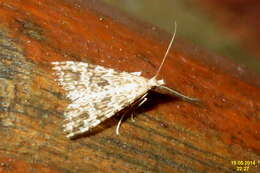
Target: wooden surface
168, 135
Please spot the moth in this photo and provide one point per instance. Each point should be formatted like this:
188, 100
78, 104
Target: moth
97, 93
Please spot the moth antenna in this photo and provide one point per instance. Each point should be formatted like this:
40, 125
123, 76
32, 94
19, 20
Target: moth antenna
167, 51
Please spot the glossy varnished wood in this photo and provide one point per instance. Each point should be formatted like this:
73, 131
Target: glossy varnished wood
168, 135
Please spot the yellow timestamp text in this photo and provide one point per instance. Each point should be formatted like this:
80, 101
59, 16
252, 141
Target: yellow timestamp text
244, 165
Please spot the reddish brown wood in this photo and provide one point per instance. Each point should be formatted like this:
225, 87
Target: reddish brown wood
167, 136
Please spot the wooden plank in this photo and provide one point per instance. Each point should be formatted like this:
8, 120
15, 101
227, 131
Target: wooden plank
168, 135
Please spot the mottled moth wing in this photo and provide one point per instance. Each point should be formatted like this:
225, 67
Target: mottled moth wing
96, 93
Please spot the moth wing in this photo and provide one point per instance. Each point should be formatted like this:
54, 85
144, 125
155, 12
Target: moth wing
96, 93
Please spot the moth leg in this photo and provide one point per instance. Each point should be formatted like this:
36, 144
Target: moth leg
140, 101
119, 123
132, 116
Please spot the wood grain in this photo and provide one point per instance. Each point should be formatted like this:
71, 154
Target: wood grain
168, 135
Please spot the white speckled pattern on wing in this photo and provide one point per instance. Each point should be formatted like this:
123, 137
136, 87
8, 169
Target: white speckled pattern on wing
96, 93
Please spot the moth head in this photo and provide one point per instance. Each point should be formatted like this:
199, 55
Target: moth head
154, 82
